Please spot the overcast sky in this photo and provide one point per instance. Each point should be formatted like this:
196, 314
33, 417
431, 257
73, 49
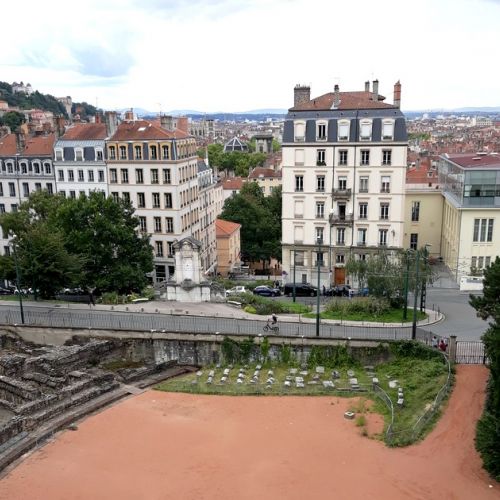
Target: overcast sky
238, 55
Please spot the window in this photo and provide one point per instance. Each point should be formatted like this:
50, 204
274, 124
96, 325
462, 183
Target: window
365, 157
1, 189
156, 200
299, 257
386, 156
363, 210
343, 134
59, 155
414, 241
126, 197
483, 230
320, 183
166, 176
139, 176
124, 174
340, 236
365, 133
112, 152
319, 259
320, 157
170, 246
50, 189
159, 248
153, 153
78, 154
157, 222
26, 189
137, 153
343, 157
300, 128
342, 183
382, 237
38, 186
387, 130
320, 210
60, 174
2, 208
143, 227
165, 152
72, 194
480, 262
319, 235
80, 176
363, 184
24, 167
168, 200
141, 200
487, 261
100, 174
362, 236
384, 211
48, 168
113, 176
299, 183
123, 152
62, 193
71, 175
13, 207
154, 176
299, 157
99, 155
169, 225
385, 186
12, 189
340, 258
90, 174
321, 132
415, 211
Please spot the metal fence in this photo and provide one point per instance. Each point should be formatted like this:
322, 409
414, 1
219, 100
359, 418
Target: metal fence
111, 320
470, 353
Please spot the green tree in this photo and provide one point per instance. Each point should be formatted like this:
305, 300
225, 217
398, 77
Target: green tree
488, 428
12, 119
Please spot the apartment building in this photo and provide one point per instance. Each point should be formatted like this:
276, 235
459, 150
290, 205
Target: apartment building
156, 168
228, 246
25, 166
267, 178
343, 177
79, 160
471, 213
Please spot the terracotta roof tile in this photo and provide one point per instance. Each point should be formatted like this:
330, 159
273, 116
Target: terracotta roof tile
39, 145
225, 228
476, 160
85, 132
140, 130
264, 172
233, 183
8, 145
348, 100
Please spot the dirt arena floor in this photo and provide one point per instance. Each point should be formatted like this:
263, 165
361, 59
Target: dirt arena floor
173, 446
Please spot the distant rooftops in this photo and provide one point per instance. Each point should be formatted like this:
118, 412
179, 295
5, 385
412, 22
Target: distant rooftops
482, 160
145, 130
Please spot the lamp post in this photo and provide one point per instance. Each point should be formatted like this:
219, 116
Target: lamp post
405, 308
294, 266
18, 279
318, 262
415, 297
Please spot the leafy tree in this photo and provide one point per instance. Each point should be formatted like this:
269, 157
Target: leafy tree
276, 146
488, 428
12, 119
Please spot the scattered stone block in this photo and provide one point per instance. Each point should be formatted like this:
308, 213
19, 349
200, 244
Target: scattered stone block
401, 402
355, 387
253, 381
349, 415
269, 386
369, 368
239, 381
223, 379
393, 384
289, 378
299, 385
270, 373
316, 377
304, 373
375, 380
353, 381
335, 374
211, 373
299, 380
199, 373
328, 384
210, 380
288, 383
312, 382
226, 371
293, 371
350, 373
258, 367
320, 369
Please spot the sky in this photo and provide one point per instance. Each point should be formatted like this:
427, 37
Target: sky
240, 55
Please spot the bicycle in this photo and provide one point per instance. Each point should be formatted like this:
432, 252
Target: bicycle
269, 327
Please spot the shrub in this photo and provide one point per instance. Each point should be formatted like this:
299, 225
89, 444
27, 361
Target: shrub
360, 421
374, 306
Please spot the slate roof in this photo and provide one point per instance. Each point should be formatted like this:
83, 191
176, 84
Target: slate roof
348, 100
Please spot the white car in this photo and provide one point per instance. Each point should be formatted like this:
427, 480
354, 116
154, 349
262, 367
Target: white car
236, 290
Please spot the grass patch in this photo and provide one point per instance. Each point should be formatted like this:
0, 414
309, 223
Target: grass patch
255, 304
391, 316
360, 421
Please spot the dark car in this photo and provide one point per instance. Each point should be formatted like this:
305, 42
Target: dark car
339, 291
301, 290
266, 291
5, 291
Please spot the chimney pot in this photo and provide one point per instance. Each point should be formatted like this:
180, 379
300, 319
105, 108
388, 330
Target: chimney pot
375, 90
397, 94
301, 94
367, 86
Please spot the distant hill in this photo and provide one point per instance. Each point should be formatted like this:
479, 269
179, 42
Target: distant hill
36, 100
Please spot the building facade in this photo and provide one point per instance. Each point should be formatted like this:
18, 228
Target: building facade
228, 246
471, 214
343, 177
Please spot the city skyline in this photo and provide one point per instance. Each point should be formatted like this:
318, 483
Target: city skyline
243, 55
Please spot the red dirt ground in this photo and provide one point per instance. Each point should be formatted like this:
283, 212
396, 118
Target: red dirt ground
175, 446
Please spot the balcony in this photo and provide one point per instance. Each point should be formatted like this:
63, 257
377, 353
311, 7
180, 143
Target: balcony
340, 219
339, 194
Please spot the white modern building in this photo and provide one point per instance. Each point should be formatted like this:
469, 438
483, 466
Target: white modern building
343, 177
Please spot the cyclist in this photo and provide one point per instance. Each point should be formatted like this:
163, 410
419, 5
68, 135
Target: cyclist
274, 319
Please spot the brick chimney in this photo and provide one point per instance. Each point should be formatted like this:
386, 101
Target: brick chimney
182, 124
301, 94
367, 86
60, 125
397, 94
20, 142
336, 97
375, 90
111, 121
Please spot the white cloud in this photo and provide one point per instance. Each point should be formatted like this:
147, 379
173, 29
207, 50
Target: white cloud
238, 55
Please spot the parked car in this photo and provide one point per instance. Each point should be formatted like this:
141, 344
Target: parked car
236, 290
339, 291
301, 290
363, 292
266, 291
5, 291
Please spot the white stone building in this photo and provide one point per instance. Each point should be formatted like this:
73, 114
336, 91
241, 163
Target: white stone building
343, 177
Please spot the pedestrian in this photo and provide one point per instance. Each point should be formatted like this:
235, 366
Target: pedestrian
445, 344
434, 341
442, 345
91, 299
324, 290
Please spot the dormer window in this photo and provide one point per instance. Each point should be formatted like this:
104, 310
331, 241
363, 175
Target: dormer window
10, 166
58, 154
112, 152
24, 167
153, 155
123, 152
321, 131
365, 130
99, 155
137, 153
343, 134
78, 154
300, 131
387, 130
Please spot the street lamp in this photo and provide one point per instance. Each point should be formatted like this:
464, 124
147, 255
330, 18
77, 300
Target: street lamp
318, 262
294, 266
18, 279
415, 296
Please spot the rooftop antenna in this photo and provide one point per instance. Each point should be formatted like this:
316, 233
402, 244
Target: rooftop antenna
159, 106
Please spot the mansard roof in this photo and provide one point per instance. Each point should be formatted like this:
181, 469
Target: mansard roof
347, 100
